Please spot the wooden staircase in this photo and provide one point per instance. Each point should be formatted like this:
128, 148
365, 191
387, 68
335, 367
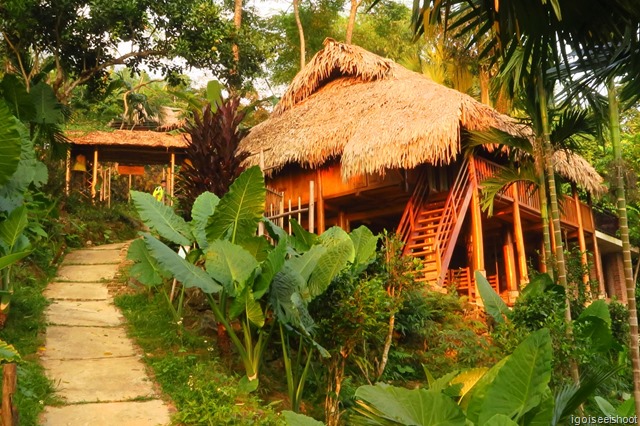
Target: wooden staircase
431, 225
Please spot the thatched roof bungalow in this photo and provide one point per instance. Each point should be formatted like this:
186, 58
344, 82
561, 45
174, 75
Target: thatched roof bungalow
383, 146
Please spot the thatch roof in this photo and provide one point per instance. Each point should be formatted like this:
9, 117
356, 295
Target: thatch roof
128, 138
369, 111
576, 169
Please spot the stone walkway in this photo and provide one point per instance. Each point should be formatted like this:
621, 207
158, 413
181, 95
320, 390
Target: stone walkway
95, 367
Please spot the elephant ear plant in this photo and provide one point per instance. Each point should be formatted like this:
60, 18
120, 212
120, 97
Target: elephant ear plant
244, 276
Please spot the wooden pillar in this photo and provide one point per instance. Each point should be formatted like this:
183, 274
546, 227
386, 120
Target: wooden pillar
343, 222
172, 179
109, 187
67, 175
597, 260
476, 222
129, 190
320, 206
581, 240
312, 206
510, 266
519, 235
94, 180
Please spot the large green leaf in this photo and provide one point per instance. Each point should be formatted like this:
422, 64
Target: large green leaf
259, 247
500, 420
340, 252
364, 244
523, 380
214, 94
493, 303
594, 323
161, 219
48, 109
270, 267
239, 211
473, 401
17, 98
10, 143
468, 379
246, 303
295, 419
12, 258
307, 263
188, 274
417, 407
301, 240
146, 268
8, 353
230, 265
542, 415
288, 303
537, 286
202, 210
11, 229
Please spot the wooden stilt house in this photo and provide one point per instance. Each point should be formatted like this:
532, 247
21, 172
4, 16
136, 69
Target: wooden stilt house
384, 146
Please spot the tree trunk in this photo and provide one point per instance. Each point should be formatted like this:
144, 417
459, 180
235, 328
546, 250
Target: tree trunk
387, 346
555, 214
634, 350
237, 22
334, 385
544, 211
303, 48
352, 20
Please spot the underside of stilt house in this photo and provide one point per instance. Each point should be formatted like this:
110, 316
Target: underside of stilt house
359, 140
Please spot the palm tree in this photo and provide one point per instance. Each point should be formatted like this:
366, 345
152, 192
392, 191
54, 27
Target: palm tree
531, 39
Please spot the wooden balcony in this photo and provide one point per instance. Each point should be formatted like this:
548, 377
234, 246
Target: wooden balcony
529, 201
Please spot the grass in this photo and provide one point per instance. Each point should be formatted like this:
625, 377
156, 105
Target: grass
24, 329
186, 366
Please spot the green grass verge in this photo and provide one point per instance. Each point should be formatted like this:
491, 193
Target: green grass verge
185, 365
24, 329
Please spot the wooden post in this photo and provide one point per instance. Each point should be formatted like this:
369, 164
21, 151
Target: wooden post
510, 266
129, 190
476, 221
172, 179
312, 205
9, 382
67, 175
476, 228
109, 187
320, 204
519, 235
598, 262
581, 240
94, 180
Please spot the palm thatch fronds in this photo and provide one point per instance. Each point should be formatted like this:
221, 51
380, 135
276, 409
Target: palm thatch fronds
128, 138
577, 169
371, 112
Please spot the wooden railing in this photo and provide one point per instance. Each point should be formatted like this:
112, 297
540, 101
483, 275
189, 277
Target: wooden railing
528, 197
452, 217
281, 211
412, 210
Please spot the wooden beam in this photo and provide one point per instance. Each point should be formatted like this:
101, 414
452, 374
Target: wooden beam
519, 235
312, 205
320, 203
94, 179
67, 176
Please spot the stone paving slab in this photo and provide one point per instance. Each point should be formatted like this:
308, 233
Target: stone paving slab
92, 257
146, 413
86, 273
114, 246
99, 313
86, 343
95, 380
76, 291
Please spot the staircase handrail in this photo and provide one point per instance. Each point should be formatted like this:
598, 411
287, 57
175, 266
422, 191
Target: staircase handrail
457, 200
412, 210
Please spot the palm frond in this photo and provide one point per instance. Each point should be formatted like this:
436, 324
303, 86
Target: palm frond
499, 138
502, 180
